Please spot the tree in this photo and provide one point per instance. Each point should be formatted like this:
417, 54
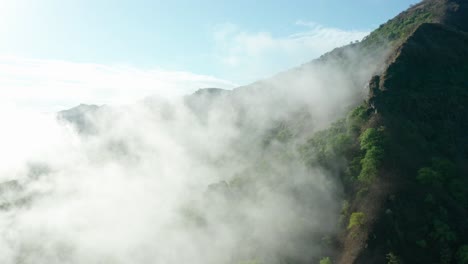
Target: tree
428, 176
462, 254
325, 261
392, 258
372, 142
356, 219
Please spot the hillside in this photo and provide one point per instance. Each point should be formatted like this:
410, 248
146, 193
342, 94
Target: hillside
406, 192
415, 208
360, 156
416, 111
421, 101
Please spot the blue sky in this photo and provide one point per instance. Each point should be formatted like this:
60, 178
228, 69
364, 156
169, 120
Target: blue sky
234, 42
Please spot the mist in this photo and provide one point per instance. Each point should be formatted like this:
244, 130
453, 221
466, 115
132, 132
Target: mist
204, 178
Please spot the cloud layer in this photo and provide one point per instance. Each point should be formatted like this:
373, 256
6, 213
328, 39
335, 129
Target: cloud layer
52, 85
215, 177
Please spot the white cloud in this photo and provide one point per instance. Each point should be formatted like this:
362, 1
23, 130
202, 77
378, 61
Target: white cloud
251, 55
139, 188
52, 85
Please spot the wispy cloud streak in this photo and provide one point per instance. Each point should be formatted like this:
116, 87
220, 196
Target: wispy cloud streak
51, 85
252, 55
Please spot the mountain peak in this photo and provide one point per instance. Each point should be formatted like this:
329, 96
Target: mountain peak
452, 13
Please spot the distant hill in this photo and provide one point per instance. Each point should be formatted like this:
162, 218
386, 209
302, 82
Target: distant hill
79, 116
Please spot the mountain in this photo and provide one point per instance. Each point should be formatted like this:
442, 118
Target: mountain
79, 116
415, 207
406, 199
385, 119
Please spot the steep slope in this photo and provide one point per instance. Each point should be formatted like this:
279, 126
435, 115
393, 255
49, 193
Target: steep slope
415, 120
416, 208
421, 101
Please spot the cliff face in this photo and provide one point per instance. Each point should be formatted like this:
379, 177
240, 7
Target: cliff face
426, 85
420, 100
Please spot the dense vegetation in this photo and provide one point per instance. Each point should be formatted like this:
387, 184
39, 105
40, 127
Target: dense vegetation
400, 27
408, 143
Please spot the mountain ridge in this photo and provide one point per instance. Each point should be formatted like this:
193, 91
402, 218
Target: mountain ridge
404, 143
424, 89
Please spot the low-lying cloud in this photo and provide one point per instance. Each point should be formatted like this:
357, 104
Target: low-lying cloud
152, 186
214, 177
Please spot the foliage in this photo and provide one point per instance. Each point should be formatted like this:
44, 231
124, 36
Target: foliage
372, 142
442, 231
326, 146
362, 192
462, 254
370, 164
338, 146
344, 212
398, 28
442, 174
371, 138
357, 118
280, 133
422, 243
428, 176
325, 261
357, 219
392, 259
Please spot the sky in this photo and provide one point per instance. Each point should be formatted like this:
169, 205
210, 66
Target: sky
57, 53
